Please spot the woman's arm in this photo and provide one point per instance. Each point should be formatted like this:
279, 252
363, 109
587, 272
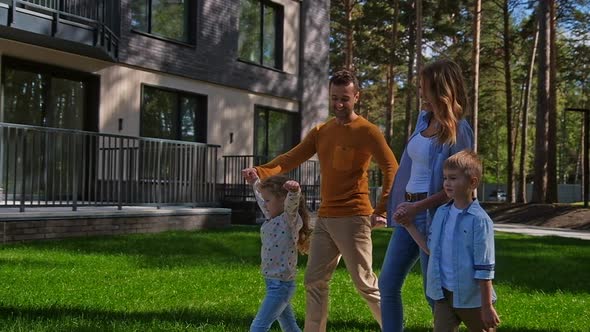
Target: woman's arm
407, 211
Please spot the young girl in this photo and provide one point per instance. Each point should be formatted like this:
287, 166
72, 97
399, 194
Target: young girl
285, 230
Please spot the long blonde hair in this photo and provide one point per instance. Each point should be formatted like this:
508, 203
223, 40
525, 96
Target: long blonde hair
274, 185
446, 86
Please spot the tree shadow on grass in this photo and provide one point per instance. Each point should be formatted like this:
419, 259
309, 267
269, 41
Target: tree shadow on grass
99, 320
546, 264
190, 319
104, 319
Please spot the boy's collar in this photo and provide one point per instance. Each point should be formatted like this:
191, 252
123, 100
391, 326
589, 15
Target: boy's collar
473, 208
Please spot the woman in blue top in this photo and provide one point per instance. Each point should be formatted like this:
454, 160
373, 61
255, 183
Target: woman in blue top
417, 190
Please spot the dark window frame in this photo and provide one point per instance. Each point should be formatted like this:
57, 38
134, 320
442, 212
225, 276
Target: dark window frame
202, 102
92, 98
190, 21
296, 119
279, 29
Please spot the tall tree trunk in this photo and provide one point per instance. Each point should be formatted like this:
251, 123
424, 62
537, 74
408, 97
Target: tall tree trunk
418, 52
509, 126
410, 85
542, 126
552, 144
524, 129
348, 7
475, 60
390, 104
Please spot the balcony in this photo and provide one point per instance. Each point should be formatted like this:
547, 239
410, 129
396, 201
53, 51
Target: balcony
49, 167
86, 27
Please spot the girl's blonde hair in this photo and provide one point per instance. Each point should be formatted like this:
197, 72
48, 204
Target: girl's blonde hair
274, 185
446, 87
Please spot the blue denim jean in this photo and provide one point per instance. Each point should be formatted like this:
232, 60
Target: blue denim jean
402, 253
276, 306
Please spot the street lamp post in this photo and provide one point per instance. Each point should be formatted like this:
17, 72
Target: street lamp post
586, 150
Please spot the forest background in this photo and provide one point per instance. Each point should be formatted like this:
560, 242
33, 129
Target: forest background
525, 63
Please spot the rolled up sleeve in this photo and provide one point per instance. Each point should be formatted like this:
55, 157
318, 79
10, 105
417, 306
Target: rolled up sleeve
484, 260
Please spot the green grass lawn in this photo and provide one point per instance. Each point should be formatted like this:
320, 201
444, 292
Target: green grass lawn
210, 281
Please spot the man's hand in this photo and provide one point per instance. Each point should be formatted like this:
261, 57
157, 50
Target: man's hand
292, 186
250, 175
378, 221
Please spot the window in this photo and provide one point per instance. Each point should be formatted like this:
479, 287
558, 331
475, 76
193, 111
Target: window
174, 115
261, 33
41, 95
170, 19
275, 131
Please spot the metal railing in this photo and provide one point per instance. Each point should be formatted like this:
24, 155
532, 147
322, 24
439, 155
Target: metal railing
235, 187
58, 167
102, 15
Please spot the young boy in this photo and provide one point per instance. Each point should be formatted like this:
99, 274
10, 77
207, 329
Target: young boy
461, 243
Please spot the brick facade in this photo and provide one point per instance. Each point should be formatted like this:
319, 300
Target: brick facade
214, 56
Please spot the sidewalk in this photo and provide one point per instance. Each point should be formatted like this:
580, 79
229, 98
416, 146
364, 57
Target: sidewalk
542, 231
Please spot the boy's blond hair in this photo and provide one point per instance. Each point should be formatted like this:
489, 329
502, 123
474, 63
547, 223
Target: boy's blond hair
467, 162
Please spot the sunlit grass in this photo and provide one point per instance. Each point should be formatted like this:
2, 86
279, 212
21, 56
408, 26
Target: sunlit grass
210, 281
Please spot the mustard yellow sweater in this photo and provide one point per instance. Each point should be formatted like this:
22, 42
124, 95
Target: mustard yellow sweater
344, 153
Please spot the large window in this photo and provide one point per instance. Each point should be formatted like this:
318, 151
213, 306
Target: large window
175, 115
276, 131
170, 19
41, 95
261, 33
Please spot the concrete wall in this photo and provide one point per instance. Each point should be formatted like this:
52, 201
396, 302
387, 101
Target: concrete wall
39, 229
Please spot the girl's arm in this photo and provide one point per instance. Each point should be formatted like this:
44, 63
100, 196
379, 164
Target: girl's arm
260, 200
292, 201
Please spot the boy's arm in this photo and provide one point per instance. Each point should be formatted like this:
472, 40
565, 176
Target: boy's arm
484, 256
489, 316
484, 265
418, 237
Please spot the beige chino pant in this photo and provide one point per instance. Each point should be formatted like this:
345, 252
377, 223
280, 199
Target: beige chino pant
349, 238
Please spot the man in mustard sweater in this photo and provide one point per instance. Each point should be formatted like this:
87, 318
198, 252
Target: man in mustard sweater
345, 145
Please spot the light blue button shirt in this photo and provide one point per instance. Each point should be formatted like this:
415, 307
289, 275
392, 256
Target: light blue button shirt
437, 155
473, 255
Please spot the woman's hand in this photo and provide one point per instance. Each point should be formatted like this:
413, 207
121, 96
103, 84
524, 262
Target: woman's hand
405, 213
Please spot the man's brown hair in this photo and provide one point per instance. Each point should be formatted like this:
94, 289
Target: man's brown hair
344, 78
